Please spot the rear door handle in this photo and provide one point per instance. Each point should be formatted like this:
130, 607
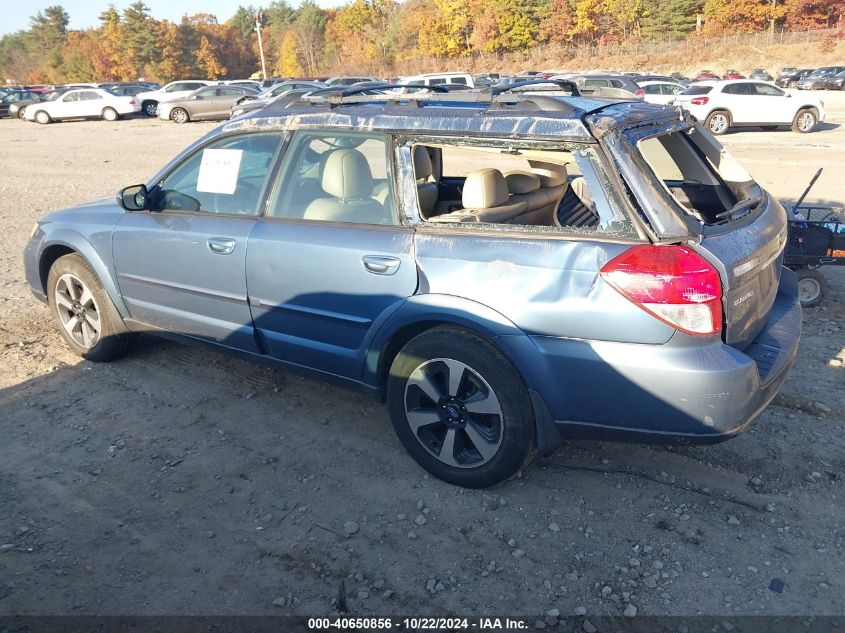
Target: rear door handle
221, 245
381, 265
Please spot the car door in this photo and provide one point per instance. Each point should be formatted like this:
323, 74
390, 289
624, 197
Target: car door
203, 104
775, 106
223, 101
330, 260
738, 99
66, 107
181, 265
91, 103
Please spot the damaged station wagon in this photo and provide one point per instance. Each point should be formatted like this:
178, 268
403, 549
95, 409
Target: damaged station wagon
503, 268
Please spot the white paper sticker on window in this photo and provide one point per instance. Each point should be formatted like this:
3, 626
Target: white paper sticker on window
219, 170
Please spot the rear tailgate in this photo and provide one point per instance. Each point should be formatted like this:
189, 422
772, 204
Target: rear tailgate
692, 191
749, 256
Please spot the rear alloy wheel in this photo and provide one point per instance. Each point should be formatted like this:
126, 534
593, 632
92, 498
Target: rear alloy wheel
805, 121
88, 321
150, 108
110, 114
42, 117
460, 408
179, 115
22, 113
812, 287
718, 122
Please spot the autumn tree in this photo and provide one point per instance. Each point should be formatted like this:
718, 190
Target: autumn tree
287, 64
556, 21
309, 29
721, 16
112, 62
813, 14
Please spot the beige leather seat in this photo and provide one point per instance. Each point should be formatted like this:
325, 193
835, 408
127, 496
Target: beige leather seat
541, 189
426, 188
485, 199
348, 179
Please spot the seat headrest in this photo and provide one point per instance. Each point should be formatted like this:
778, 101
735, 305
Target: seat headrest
422, 162
520, 182
347, 175
484, 188
550, 174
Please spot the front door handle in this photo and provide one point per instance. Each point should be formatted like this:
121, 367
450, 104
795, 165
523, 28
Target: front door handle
381, 265
221, 245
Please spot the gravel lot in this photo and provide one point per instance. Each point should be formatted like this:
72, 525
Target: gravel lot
181, 481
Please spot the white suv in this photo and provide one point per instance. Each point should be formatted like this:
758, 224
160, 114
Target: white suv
170, 92
744, 103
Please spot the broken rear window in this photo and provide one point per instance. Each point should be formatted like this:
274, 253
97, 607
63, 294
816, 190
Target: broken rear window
700, 175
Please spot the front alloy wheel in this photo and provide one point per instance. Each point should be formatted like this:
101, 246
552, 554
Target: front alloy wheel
77, 310
179, 116
805, 121
88, 320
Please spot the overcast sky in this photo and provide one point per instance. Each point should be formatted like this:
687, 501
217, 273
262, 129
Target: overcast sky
84, 13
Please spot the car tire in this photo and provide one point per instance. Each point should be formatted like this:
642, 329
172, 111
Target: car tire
86, 316
805, 121
110, 114
718, 122
812, 287
22, 114
179, 115
42, 117
150, 107
460, 408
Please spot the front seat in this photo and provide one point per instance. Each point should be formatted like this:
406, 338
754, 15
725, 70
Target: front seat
348, 179
423, 172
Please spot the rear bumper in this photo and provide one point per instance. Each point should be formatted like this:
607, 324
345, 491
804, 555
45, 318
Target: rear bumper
684, 391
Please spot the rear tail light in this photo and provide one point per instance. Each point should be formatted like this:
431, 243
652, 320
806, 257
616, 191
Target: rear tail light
639, 93
132, 102
673, 283
699, 101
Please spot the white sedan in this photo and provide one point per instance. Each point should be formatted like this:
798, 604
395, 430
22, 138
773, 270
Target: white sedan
86, 103
722, 105
662, 92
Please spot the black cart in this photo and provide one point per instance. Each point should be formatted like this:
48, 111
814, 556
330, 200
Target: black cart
818, 240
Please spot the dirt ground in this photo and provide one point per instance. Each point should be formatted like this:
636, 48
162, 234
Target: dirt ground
181, 481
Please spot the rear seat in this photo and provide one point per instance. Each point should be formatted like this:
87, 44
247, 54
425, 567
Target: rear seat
541, 190
485, 199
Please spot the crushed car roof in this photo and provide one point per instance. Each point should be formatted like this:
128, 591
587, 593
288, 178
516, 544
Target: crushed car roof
519, 117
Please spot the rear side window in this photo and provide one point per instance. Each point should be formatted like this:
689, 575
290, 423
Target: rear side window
698, 90
737, 89
554, 189
459, 80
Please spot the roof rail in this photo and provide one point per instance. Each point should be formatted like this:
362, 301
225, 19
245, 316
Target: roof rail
536, 85
523, 95
336, 96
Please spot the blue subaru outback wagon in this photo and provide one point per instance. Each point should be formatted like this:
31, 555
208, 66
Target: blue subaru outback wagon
502, 269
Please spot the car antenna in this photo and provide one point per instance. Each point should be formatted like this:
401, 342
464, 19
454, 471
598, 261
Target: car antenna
807, 190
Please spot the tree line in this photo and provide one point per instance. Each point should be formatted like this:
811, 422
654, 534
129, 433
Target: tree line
372, 36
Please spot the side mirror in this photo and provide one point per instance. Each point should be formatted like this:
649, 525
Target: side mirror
133, 198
